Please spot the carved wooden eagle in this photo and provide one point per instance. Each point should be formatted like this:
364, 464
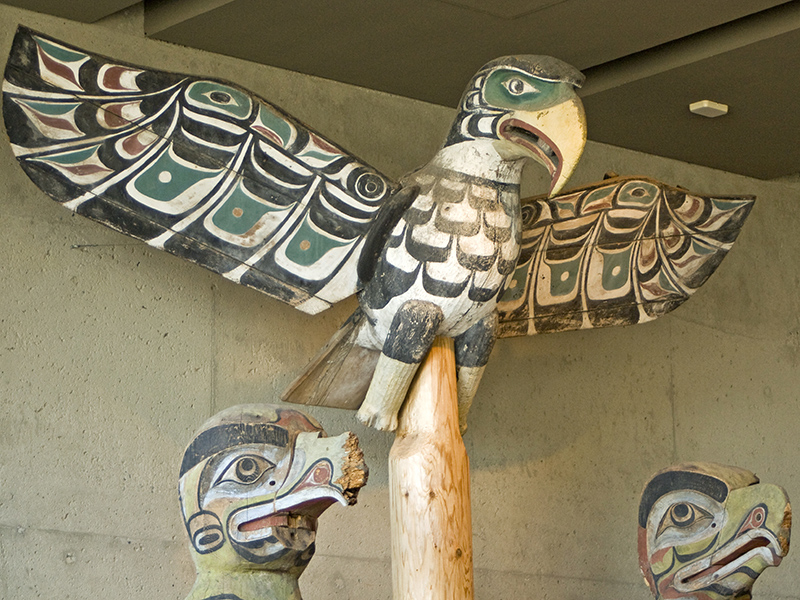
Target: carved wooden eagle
210, 172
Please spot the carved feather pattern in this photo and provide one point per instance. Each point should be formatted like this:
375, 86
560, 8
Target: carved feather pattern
620, 252
200, 168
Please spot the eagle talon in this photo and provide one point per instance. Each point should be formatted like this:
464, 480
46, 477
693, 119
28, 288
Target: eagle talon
377, 418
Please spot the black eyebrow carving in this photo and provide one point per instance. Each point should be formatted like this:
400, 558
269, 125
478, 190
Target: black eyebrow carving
679, 480
222, 437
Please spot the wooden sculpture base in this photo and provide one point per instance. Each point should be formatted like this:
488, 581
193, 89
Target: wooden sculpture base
431, 520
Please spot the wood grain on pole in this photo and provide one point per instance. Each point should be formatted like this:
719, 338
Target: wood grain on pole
429, 489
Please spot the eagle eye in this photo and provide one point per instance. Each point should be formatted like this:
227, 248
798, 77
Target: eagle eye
218, 97
517, 86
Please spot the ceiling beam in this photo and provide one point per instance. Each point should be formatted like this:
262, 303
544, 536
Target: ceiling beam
163, 14
85, 11
751, 29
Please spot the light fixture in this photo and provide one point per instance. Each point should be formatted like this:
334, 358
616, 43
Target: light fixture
708, 108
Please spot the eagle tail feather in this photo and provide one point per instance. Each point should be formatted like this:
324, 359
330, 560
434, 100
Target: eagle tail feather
340, 374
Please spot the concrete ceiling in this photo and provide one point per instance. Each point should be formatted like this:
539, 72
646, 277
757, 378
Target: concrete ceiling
645, 60
86, 11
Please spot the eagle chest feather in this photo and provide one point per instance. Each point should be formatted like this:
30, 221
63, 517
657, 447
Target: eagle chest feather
456, 247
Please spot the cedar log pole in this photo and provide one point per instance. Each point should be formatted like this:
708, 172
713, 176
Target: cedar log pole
431, 522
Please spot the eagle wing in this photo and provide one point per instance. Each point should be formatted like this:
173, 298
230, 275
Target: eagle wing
200, 168
620, 252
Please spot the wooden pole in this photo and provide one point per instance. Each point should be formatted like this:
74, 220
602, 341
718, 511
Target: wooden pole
429, 489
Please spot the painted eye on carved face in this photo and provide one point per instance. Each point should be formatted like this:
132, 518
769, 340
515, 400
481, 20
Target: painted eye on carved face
685, 517
517, 87
221, 98
245, 470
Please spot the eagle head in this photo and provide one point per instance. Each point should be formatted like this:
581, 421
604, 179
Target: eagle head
707, 531
527, 106
253, 482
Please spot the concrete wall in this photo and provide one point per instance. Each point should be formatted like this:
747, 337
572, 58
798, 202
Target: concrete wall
112, 354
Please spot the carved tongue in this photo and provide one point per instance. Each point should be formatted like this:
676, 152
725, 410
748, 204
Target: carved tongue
523, 134
280, 520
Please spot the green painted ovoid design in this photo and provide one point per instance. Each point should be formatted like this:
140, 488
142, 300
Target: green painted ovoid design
220, 98
510, 88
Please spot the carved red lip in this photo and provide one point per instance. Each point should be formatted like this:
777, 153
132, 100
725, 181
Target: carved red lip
300, 516
522, 134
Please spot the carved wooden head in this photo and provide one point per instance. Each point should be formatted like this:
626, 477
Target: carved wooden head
707, 531
253, 482
527, 107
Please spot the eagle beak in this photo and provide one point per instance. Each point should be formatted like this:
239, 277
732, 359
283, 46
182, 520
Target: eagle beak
553, 137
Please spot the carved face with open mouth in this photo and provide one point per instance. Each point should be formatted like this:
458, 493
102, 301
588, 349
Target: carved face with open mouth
542, 119
280, 527
708, 531
254, 481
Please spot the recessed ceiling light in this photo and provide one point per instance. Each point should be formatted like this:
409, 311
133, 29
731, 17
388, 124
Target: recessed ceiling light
708, 108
